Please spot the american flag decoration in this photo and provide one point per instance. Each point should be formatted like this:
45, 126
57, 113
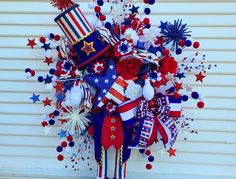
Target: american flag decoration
110, 86
74, 24
175, 107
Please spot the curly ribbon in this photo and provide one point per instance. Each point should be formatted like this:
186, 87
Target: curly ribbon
146, 126
167, 130
87, 94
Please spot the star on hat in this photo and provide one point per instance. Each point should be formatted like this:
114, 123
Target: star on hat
88, 48
35, 98
31, 43
199, 77
110, 86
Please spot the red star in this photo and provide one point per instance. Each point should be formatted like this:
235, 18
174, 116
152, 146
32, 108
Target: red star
31, 43
47, 102
159, 40
178, 86
199, 77
48, 60
171, 152
58, 86
62, 121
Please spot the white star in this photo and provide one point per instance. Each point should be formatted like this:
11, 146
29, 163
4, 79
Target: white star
170, 76
99, 98
47, 130
189, 88
96, 80
104, 91
111, 67
113, 76
106, 81
49, 87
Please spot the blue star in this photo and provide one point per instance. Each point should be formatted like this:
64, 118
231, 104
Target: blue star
48, 79
180, 75
127, 22
62, 134
46, 46
35, 98
134, 9
163, 26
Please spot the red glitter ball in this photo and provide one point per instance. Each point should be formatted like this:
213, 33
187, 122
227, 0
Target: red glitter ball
166, 52
102, 17
42, 39
44, 123
60, 157
70, 138
196, 45
64, 144
176, 95
146, 21
97, 9
57, 37
149, 166
148, 152
200, 104
182, 43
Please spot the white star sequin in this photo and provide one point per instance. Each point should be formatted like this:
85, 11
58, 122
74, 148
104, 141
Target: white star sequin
104, 91
96, 80
47, 130
111, 67
106, 81
113, 76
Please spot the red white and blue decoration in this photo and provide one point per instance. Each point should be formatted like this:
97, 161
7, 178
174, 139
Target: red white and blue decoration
116, 81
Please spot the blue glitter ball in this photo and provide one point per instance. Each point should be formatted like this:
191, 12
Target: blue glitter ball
71, 144
142, 151
147, 11
52, 71
184, 98
100, 2
56, 113
58, 48
51, 122
195, 95
172, 89
27, 70
188, 43
51, 36
108, 25
151, 2
59, 149
178, 51
151, 158
67, 65
40, 79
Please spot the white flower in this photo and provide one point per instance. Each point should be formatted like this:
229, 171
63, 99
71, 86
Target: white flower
133, 91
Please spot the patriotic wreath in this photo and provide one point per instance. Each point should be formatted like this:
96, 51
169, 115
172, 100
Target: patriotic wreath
117, 80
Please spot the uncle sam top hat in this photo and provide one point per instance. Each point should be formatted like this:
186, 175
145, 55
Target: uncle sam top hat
85, 40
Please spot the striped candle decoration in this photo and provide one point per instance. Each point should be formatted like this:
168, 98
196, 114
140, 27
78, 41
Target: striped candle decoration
74, 24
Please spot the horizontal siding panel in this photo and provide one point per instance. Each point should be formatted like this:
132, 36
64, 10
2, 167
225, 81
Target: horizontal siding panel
210, 103
161, 168
230, 44
193, 20
37, 31
29, 54
25, 152
176, 8
202, 136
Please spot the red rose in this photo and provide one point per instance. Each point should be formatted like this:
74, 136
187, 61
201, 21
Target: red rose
168, 64
128, 68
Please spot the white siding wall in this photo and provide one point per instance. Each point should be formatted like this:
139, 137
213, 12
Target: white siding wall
26, 153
